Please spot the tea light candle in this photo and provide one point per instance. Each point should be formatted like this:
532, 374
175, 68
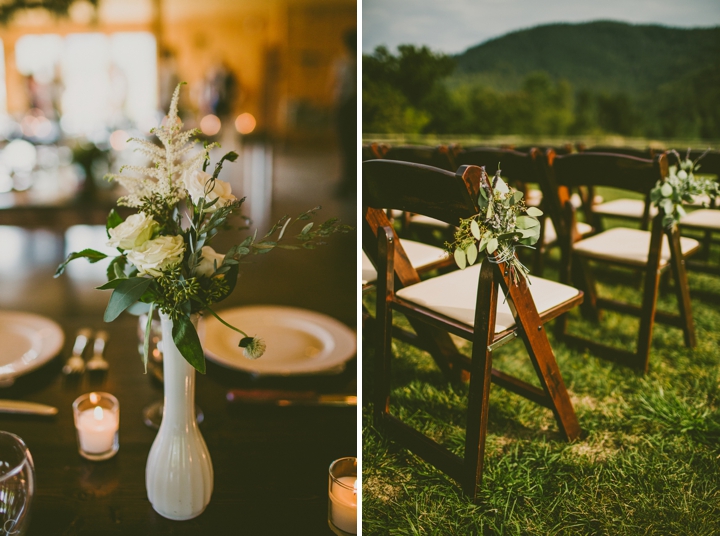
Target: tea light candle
97, 418
343, 500
96, 430
342, 496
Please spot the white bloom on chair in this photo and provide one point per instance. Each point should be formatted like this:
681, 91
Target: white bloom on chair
208, 262
196, 182
158, 255
133, 232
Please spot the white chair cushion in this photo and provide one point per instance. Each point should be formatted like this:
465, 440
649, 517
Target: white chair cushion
700, 201
420, 256
624, 208
419, 219
550, 235
454, 295
705, 218
577, 202
628, 246
533, 198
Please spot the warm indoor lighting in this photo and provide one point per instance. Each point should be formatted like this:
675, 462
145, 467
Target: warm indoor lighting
118, 140
210, 125
245, 123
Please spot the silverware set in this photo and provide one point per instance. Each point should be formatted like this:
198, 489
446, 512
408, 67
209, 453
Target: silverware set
76, 364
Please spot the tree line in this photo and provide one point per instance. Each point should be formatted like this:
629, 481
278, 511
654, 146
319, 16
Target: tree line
413, 91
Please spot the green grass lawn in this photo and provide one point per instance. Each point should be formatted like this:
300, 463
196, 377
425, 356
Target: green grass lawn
648, 461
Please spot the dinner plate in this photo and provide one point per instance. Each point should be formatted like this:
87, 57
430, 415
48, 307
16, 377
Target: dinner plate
298, 341
27, 341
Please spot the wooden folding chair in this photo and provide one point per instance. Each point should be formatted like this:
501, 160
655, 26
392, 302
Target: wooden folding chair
465, 303
521, 168
623, 208
651, 251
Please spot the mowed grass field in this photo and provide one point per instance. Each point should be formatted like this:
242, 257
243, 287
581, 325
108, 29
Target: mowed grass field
647, 463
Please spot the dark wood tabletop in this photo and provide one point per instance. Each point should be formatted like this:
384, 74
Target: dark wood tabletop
270, 463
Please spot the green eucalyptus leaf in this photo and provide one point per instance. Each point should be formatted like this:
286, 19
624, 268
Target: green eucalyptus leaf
517, 197
534, 212
187, 341
483, 244
475, 230
492, 245
471, 253
127, 292
666, 190
526, 222
460, 258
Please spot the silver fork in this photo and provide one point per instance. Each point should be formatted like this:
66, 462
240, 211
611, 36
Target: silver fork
76, 363
98, 362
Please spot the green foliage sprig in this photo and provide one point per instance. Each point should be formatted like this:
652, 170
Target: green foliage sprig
502, 224
682, 186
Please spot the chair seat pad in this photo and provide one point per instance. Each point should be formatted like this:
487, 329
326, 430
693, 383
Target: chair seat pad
550, 235
420, 256
419, 219
705, 218
628, 246
624, 208
454, 295
533, 198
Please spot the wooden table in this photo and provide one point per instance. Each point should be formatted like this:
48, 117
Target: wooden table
270, 463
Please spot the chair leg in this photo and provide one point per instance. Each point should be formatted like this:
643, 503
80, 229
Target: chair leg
650, 294
682, 289
585, 281
480, 376
383, 325
541, 354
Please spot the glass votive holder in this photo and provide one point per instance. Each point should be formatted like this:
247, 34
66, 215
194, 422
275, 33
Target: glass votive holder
342, 496
97, 418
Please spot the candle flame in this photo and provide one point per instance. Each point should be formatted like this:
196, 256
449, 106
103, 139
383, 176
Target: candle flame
355, 487
98, 413
94, 398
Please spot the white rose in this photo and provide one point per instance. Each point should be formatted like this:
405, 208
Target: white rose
157, 255
195, 182
208, 260
133, 232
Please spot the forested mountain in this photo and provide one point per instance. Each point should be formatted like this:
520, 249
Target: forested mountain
559, 79
600, 56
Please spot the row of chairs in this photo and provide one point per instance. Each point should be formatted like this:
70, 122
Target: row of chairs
467, 303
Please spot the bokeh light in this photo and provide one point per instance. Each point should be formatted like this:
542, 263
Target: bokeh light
245, 123
210, 125
118, 140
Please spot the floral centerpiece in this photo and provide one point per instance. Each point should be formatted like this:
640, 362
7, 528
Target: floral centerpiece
681, 186
165, 261
503, 223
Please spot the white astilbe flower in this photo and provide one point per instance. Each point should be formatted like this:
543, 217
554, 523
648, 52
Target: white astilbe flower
169, 162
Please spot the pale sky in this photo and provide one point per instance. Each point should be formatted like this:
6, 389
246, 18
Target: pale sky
454, 25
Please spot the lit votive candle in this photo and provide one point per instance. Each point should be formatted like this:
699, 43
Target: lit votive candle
97, 418
342, 496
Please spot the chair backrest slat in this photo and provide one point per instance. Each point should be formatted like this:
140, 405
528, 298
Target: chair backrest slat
426, 190
603, 169
439, 157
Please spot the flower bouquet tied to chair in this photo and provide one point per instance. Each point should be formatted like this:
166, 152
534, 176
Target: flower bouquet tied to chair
165, 260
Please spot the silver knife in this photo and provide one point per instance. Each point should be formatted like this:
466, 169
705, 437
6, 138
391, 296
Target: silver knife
290, 398
28, 408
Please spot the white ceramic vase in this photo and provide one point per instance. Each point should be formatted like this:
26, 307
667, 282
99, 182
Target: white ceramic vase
179, 473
